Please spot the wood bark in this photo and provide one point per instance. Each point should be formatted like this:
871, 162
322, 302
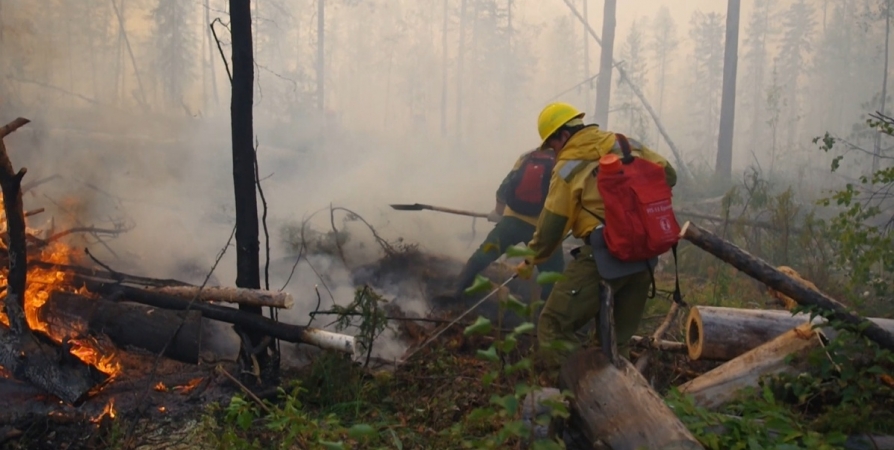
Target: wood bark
245, 320
24, 354
127, 324
773, 278
242, 296
721, 385
617, 408
721, 334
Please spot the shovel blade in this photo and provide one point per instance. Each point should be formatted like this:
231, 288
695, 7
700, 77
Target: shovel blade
413, 207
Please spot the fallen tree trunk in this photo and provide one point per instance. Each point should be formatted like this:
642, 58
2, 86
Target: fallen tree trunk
127, 324
617, 408
722, 334
772, 277
719, 386
246, 320
242, 296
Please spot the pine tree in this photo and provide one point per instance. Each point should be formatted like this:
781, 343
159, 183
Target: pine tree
631, 114
756, 70
663, 46
708, 32
795, 48
175, 49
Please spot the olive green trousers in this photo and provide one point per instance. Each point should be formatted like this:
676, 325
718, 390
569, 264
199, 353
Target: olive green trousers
574, 300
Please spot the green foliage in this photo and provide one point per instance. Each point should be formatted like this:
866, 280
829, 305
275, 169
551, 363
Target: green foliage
859, 232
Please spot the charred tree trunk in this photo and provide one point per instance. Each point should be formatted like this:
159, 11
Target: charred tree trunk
773, 278
724, 164
617, 408
247, 243
606, 60
22, 353
721, 385
127, 324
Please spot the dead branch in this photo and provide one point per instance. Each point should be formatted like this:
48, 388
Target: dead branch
643, 360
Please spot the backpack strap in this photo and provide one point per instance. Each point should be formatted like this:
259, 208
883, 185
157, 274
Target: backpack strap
625, 148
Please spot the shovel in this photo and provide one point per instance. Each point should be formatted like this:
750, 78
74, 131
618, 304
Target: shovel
420, 207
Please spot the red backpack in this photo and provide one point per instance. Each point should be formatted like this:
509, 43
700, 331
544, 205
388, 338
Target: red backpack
639, 216
530, 183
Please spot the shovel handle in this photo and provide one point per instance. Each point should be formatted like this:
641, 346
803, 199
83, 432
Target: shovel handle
457, 211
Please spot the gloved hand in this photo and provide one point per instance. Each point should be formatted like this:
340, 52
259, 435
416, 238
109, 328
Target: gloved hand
494, 216
524, 270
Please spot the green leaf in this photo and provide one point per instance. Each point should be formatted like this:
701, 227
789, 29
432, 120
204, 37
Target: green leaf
490, 354
361, 430
517, 251
524, 328
549, 277
509, 403
481, 326
515, 305
333, 445
481, 284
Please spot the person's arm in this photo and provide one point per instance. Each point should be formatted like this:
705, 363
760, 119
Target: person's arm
554, 222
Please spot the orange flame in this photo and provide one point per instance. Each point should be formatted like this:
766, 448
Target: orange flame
109, 410
189, 386
41, 283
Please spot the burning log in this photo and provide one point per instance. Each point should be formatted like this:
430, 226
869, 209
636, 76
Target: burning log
778, 281
724, 333
22, 352
127, 324
246, 320
617, 408
242, 296
719, 386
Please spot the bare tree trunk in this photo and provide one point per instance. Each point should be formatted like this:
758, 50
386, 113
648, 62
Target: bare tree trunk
878, 136
133, 59
321, 41
604, 83
460, 59
211, 45
444, 71
724, 164
247, 242
586, 53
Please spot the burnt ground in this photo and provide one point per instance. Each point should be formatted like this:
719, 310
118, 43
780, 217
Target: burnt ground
429, 394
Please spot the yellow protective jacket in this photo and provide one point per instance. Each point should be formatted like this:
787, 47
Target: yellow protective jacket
503, 190
573, 188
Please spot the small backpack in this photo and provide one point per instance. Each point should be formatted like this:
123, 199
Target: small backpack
530, 183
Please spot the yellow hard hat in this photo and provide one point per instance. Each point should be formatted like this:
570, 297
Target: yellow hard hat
554, 116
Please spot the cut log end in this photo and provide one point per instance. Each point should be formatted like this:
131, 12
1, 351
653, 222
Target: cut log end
695, 334
684, 229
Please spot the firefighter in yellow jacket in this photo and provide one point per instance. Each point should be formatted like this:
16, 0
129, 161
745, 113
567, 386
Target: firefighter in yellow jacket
573, 202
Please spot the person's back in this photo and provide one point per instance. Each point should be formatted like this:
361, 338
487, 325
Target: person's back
519, 201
